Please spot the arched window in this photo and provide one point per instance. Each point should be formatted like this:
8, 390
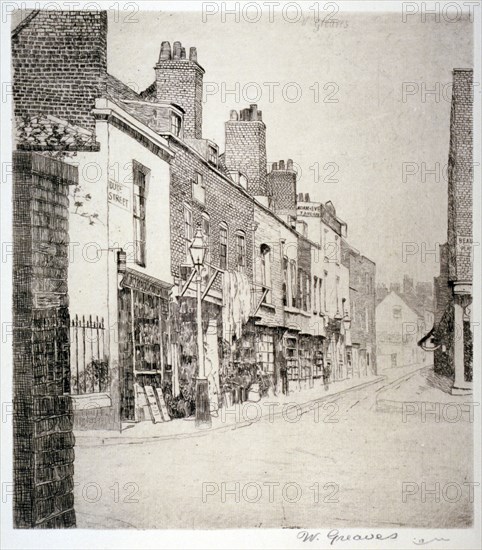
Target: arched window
223, 246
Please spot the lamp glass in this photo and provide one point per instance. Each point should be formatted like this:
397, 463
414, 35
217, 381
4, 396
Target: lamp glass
198, 248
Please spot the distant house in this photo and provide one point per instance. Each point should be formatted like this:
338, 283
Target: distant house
401, 320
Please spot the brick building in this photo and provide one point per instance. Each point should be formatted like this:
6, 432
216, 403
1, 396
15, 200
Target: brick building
451, 336
362, 272
273, 277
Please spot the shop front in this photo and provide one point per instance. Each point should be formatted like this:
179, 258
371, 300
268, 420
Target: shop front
143, 303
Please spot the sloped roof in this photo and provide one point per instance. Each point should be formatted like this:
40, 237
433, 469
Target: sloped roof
117, 89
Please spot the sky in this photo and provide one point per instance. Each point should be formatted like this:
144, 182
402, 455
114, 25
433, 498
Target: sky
350, 104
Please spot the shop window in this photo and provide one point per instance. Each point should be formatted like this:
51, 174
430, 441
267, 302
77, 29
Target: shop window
291, 347
305, 360
265, 353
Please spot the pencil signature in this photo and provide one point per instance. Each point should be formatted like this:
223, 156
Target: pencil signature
423, 541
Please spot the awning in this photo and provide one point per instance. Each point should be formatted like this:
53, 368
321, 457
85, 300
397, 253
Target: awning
145, 283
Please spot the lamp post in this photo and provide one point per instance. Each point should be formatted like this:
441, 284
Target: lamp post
203, 415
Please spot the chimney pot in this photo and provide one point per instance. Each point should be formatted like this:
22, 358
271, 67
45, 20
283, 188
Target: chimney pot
281, 164
260, 115
307, 197
289, 165
165, 51
254, 111
233, 115
183, 53
176, 50
193, 54
274, 166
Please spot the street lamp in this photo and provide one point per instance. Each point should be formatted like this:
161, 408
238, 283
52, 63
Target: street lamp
197, 250
347, 322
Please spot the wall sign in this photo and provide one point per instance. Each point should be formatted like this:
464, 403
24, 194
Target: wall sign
119, 194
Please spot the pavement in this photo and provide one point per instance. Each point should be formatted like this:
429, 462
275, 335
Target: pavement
298, 402
240, 415
425, 391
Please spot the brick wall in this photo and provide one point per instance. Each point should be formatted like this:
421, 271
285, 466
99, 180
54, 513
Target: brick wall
460, 174
282, 187
245, 148
442, 291
43, 416
362, 297
60, 65
224, 203
180, 80
269, 232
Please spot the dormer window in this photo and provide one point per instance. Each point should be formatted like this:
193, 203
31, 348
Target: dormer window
213, 155
176, 122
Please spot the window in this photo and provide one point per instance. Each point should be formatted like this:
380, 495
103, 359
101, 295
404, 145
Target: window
397, 312
240, 250
300, 286
321, 288
337, 249
367, 283
206, 237
188, 234
265, 352
307, 303
324, 291
175, 124
265, 265
198, 188
293, 282
285, 281
337, 294
139, 213
213, 155
223, 246
315, 294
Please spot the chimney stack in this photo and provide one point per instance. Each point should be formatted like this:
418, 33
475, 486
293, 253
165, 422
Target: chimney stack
282, 186
245, 148
180, 80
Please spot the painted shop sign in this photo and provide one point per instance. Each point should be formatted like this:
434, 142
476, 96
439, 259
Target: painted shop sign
313, 211
119, 194
464, 245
